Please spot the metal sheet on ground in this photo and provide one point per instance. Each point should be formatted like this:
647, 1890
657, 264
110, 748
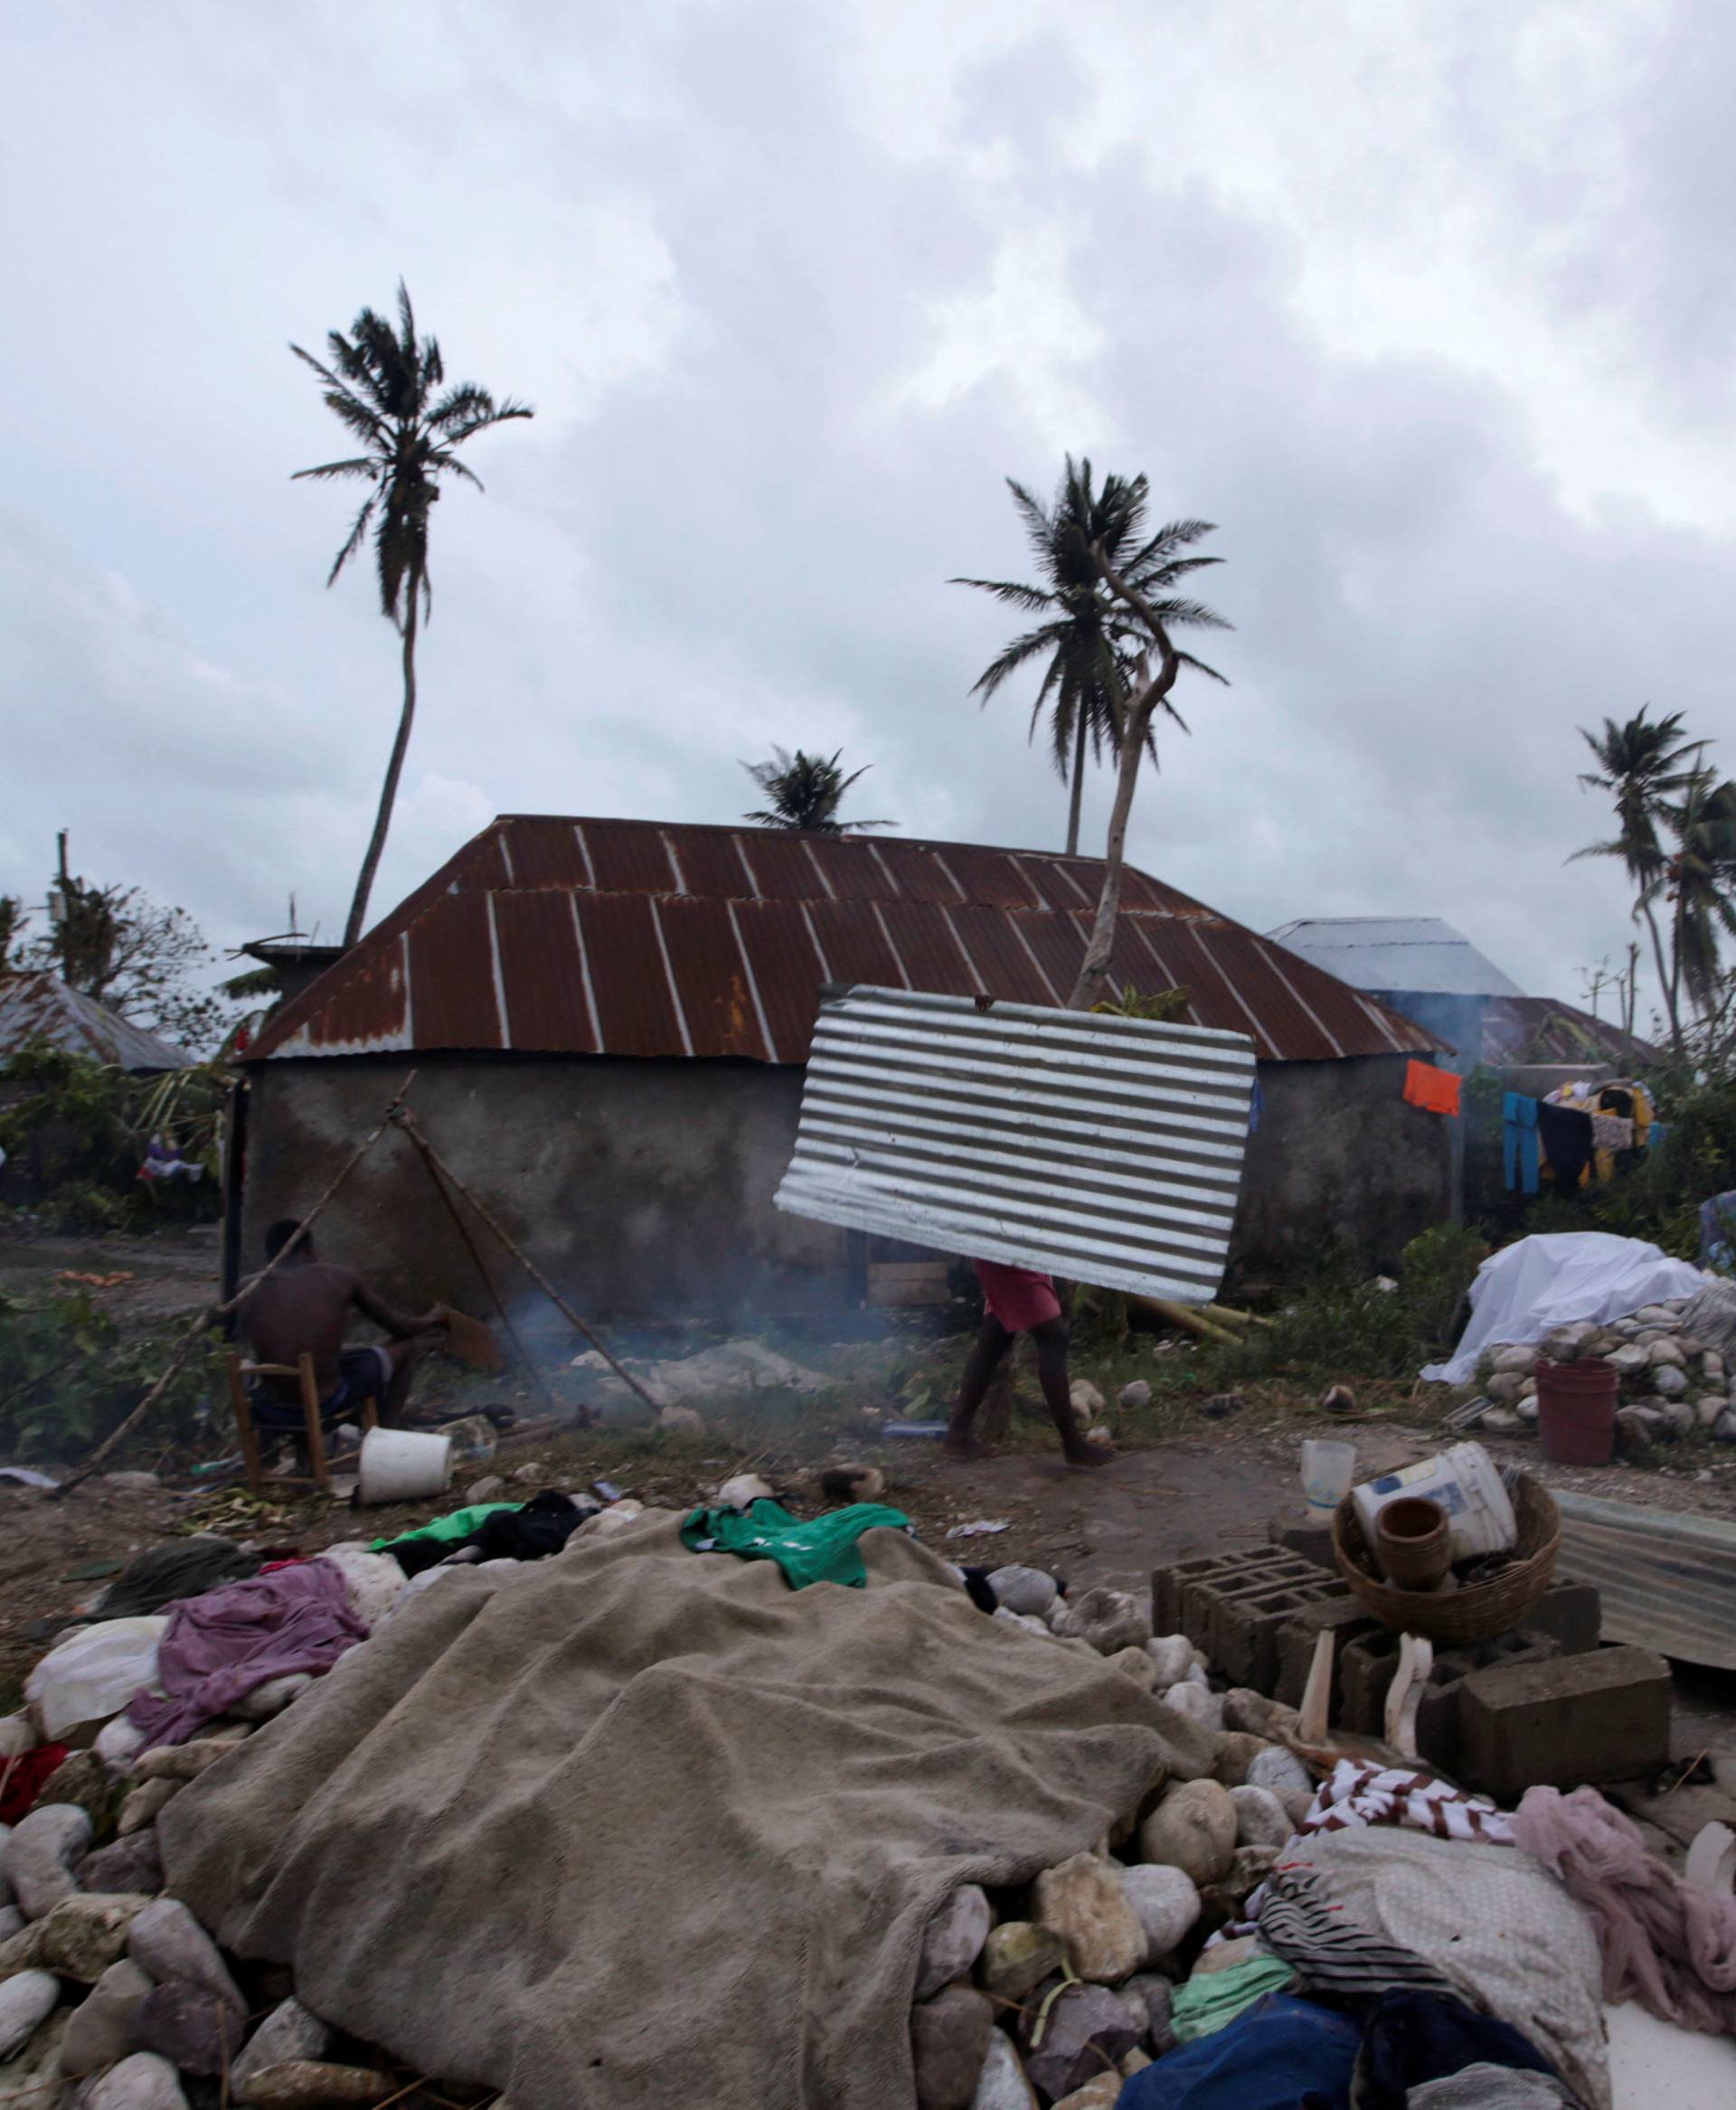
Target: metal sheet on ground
1667, 1581
1105, 1149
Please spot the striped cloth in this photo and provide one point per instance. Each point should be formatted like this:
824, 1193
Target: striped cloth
1329, 1950
1360, 1792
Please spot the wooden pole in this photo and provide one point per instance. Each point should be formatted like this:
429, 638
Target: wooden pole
1182, 1316
444, 1193
407, 1121
185, 1346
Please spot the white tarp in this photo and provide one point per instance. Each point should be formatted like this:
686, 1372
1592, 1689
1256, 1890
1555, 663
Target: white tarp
1523, 1292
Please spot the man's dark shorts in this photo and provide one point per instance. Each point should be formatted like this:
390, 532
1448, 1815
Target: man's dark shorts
362, 1374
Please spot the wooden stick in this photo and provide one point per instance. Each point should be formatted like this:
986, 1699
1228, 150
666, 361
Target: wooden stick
445, 1192
1228, 1312
1184, 1316
185, 1346
407, 1121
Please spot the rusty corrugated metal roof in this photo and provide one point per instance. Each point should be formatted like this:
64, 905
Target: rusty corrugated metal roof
549, 936
1537, 1029
40, 1006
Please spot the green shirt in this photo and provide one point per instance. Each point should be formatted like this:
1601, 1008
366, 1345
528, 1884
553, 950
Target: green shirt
447, 1530
823, 1550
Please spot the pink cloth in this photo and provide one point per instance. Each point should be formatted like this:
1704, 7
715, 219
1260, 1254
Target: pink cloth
1665, 1943
1019, 1297
217, 1648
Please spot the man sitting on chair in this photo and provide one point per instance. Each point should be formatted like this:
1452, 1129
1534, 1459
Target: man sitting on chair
302, 1308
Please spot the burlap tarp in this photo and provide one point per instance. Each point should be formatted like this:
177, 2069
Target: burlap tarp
636, 1826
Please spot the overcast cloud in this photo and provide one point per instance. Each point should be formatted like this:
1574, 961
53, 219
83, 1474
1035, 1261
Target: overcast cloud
1428, 308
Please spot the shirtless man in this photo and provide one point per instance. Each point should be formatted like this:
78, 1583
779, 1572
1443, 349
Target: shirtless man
302, 1308
1019, 1300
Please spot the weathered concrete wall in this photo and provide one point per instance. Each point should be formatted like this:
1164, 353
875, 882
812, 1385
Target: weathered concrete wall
1338, 1154
640, 1188
643, 1190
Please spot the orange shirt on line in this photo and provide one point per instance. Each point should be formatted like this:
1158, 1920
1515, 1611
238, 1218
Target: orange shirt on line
1435, 1091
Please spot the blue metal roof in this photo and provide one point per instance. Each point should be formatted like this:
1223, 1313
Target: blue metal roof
1420, 954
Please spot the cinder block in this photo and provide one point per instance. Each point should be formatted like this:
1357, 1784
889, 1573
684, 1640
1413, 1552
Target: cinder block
1193, 1596
1439, 1712
1246, 1628
1578, 1719
1293, 1529
1296, 1641
1367, 1665
1572, 1612
1182, 1595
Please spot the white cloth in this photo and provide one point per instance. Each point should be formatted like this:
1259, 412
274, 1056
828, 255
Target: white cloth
1526, 1290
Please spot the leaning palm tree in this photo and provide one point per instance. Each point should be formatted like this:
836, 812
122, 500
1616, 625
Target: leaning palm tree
806, 791
1698, 878
387, 387
1642, 764
1085, 638
1104, 544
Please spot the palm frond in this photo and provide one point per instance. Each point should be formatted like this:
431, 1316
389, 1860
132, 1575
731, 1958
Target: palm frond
1200, 667
358, 465
353, 541
1032, 598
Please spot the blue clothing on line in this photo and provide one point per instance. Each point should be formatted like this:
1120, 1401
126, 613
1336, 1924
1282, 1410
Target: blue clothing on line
1519, 1140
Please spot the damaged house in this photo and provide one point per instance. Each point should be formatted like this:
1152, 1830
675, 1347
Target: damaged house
608, 1021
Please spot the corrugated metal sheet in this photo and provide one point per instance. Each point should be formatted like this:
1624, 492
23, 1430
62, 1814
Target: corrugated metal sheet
1420, 954
40, 1007
1107, 1149
550, 936
1667, 1581
1537, 1029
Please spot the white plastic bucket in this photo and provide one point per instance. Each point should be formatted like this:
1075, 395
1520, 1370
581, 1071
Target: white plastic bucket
1466, 1483
403, 1464
1327, 1470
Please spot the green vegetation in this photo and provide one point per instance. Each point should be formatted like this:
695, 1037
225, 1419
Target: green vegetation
75, 1132
806, 791
69, 1373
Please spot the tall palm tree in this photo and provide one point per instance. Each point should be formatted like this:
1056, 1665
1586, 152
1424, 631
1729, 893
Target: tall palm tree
1697, 878
388, 386
806, 791
1641, 765
1085, 638
1100, 540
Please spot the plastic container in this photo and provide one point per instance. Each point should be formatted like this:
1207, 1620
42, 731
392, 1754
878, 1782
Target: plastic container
1576, 1411
403, 1464
1466, 1483
1327, 1470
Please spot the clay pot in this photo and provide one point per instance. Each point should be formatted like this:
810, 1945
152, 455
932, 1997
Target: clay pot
1413, 1542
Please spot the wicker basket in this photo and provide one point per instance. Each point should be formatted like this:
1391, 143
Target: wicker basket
1474, 1611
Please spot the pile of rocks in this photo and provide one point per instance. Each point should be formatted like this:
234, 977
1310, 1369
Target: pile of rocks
1670, 1383
113, 1990
1058, 1990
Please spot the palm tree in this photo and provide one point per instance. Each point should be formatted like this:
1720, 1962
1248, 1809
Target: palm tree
1085, 637
806, 791
1640, 765
1100, 541
1697, 878
387, 386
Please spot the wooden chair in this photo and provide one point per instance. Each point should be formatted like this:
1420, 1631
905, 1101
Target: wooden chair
314, 1426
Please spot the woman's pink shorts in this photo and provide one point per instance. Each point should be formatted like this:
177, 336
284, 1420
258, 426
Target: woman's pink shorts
1019, 1297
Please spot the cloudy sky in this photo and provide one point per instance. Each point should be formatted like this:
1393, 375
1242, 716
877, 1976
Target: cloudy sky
1429, 308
